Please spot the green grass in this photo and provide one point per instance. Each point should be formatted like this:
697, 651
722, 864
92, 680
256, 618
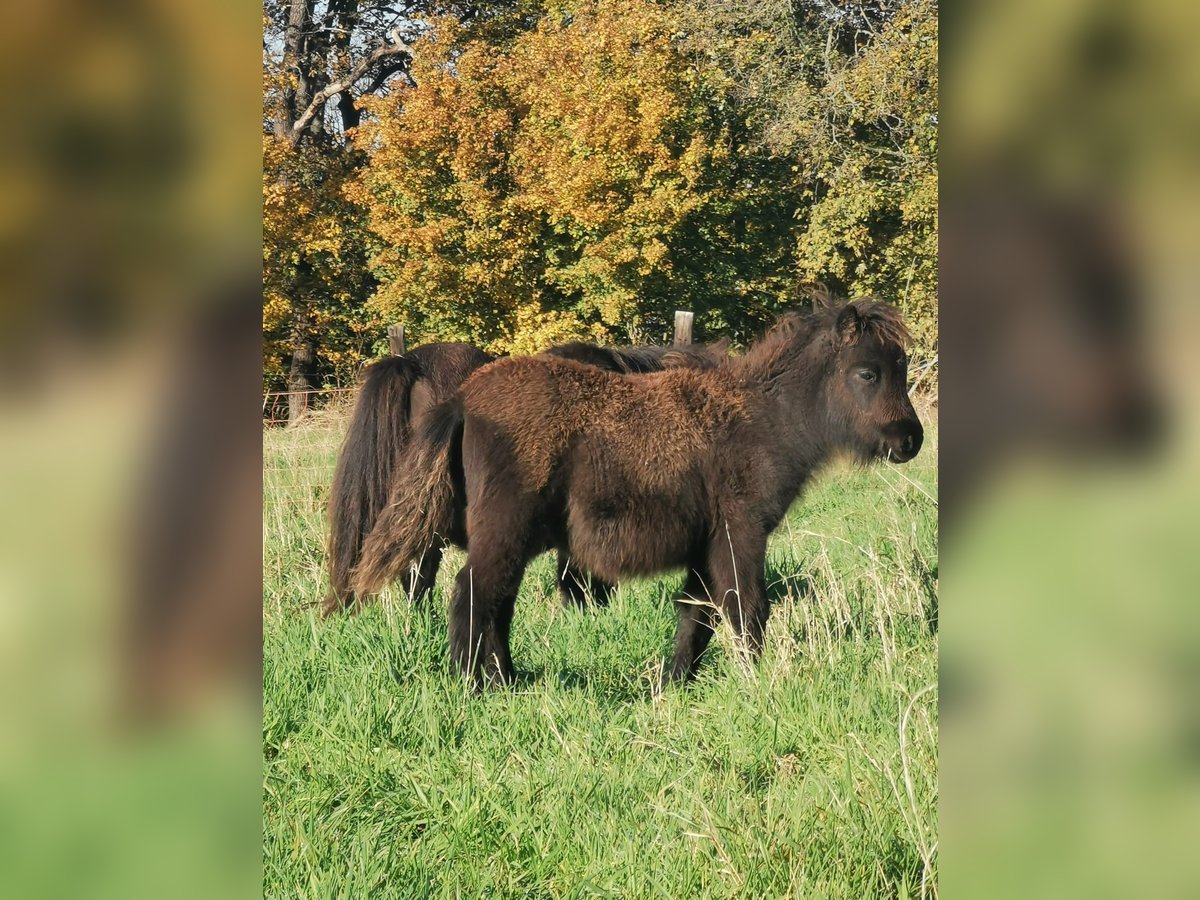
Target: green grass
813, 775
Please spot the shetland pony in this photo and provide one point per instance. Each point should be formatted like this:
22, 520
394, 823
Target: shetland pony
395, 396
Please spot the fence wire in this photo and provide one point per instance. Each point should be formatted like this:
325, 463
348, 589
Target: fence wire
276, 408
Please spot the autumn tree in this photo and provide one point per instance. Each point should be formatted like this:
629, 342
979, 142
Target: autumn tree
318, 58
522, 172
315, 278
580, 180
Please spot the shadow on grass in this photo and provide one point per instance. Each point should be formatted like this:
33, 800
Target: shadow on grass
785, 583
606, 681
607, 688
929, 577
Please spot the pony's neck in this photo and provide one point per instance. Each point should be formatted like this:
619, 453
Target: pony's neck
792, 384
784, 350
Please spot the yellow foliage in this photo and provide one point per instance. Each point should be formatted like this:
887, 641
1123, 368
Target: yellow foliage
314, 264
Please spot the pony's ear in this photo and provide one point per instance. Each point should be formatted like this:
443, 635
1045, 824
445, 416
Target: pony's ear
849, 327
820, 294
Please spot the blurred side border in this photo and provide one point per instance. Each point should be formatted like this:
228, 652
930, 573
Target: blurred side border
130, 450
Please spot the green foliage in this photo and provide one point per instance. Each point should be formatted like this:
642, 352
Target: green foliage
873, 221
848, 94
384, 777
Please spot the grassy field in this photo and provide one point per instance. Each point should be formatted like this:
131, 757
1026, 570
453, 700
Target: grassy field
814, 775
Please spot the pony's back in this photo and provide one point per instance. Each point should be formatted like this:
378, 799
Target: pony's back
657, 423
639, 360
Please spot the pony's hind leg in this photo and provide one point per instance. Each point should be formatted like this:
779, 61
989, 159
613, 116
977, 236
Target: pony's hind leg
697, 619
574, 585
499, 521
485, 592
481, 614
601, 590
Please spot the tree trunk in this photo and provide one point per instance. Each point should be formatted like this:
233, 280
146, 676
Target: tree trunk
304, 359
295, 96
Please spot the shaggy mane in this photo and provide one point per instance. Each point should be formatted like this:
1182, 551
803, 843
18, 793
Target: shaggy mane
793, 329
884, 322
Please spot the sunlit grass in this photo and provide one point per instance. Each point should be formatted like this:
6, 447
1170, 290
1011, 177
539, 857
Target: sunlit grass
813, 774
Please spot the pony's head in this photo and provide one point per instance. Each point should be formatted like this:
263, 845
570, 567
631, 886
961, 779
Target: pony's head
867, 387
852, 358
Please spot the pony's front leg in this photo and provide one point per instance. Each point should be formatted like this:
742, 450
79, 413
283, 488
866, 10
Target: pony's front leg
423, 575
738, 582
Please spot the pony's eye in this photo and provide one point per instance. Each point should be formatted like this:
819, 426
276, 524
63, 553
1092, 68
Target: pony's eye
868, 375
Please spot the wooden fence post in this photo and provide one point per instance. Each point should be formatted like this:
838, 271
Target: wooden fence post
396, 339
683, 327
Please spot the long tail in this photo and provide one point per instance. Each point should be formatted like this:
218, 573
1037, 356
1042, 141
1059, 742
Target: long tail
421, 507
378, 437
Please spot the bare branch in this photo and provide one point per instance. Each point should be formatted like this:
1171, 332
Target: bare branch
364, 65
384, 74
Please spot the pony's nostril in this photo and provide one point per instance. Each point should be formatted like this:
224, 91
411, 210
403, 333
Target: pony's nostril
908, 443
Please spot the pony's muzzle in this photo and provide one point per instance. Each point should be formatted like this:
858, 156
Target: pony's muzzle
902, 440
